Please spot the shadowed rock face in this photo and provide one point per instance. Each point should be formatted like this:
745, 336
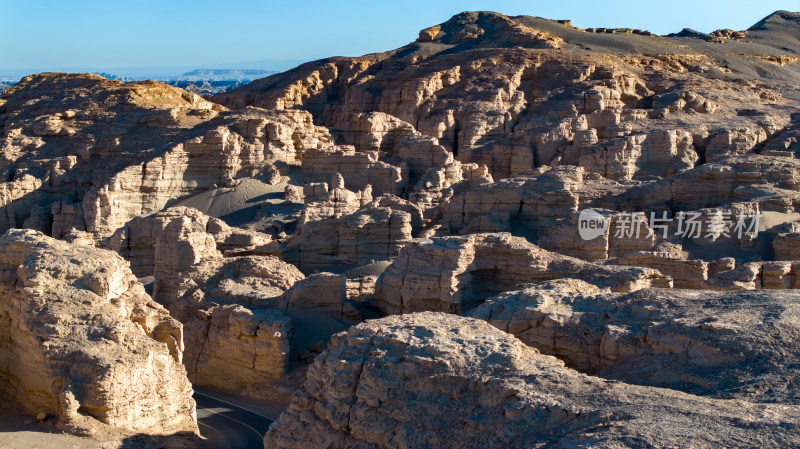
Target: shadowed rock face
734, 345
454, 274
81, 341
437, 380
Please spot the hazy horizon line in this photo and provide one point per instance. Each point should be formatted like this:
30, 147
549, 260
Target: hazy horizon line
277, 65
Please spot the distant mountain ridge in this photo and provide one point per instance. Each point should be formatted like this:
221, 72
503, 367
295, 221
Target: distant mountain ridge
203, 81
199, 81
225, 74
197, 75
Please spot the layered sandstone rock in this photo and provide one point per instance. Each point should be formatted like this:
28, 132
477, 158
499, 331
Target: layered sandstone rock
525, 206
361, 280
431, 177
721, 274
324, 293
441, 183
437, 380
736, 345
341, 227
359, 169
367, 235
454, 274
332, 200
136, 241
84, 152
82, 342
396, 140
238, 311
545, 208
771, 181
236, 335
494, 90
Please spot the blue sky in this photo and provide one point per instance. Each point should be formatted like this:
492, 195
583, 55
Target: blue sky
107, 35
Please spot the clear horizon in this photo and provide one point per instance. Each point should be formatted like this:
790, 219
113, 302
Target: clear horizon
162, 38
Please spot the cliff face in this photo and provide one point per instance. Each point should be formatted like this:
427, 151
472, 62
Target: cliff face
485, 123
454, 274
82, 152
82, 342
556, 119
514, 93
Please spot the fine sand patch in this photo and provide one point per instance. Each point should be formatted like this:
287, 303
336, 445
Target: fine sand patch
371, 269
237, 205
770, 219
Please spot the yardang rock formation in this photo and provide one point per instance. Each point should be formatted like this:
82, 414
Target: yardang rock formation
390, 248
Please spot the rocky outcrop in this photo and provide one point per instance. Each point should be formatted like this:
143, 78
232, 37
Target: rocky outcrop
81, 341
344, 228
236, 335
528, 206
685, 273
238, 311
395, 140
236, 338
324, 293
770, 181
361, 280
331, 200
786, 241
359, 169
517, 93
734, 345
136, 241
459, 167
437, 380
545, 208
455, 274
722, 274
367, 235
441, 183
84, 152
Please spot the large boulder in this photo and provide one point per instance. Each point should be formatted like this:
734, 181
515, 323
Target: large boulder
438, 380
724, 344
82, 342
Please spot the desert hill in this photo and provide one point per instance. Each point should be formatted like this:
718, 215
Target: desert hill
568, 237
